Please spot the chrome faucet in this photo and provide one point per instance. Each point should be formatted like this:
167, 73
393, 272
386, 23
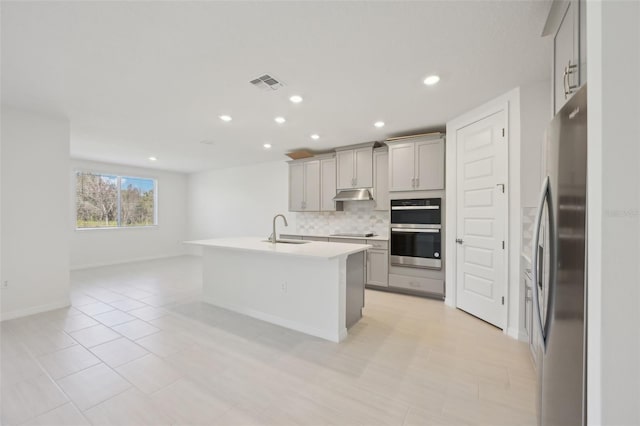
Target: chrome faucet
273, 236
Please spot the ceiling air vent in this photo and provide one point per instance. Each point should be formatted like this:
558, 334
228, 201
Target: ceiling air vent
266, 82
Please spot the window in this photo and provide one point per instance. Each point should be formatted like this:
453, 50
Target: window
112, 201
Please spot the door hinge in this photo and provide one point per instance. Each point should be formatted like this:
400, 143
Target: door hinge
503, 132
502, 244
503, 300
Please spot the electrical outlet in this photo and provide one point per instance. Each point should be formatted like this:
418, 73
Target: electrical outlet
5, 283
284, 286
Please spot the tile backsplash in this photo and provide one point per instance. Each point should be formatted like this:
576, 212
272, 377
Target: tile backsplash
357, 217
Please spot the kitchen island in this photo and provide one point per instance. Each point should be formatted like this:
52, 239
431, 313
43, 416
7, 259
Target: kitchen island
313, 287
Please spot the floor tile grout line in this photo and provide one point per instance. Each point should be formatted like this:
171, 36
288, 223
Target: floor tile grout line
55, 383
382, 361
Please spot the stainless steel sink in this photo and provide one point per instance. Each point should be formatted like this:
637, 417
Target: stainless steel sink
287, 241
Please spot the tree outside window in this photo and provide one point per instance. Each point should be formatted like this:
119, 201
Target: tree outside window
108, 201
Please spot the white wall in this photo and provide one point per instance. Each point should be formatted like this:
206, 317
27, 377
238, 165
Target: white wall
613, 336
96, 247
510, 102
535, 115
35, 213
239, 201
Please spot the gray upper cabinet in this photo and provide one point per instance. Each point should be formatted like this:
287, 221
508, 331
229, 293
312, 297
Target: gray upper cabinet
312, 185
401, 166
327, 184
566, 24
355, 168
304, 186
430, 164
416, 163
296, 187
381, 179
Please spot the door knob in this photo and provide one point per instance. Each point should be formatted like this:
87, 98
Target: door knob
459, 240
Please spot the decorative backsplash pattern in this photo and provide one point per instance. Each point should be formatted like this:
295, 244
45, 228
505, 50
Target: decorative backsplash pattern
528, 216
357, 217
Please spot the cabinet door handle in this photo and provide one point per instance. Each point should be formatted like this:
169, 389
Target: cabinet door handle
417, 182
413, 182
568, 87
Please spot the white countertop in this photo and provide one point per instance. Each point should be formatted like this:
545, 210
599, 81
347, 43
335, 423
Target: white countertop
317, 249
375, 237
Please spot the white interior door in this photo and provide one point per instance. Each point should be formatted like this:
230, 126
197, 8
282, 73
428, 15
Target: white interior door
481, 218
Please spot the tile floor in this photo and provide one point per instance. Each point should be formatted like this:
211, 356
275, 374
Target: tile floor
137, 348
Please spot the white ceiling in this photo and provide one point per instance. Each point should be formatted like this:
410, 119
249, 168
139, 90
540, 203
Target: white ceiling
151, 78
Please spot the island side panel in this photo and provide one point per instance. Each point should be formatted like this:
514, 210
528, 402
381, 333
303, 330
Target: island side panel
355, 288
304, 294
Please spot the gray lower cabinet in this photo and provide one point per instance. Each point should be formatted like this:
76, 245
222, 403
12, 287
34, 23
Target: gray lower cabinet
376, 261
418, 284
323, 239
346, 240
528, 317
378, 267
290, 237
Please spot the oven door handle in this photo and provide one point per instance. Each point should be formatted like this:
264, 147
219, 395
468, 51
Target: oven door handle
415, 226
415, 207
425, 231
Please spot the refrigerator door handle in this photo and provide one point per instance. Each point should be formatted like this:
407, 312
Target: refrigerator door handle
535, 261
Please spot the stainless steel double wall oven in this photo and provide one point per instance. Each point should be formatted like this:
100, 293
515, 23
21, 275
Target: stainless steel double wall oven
416, 233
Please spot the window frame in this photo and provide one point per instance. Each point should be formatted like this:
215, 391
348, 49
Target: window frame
119, 177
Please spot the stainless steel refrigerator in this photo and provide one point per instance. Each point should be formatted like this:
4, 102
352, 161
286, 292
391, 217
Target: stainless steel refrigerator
558, 266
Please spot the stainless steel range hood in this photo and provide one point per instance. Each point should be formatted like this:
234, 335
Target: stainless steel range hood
353, 195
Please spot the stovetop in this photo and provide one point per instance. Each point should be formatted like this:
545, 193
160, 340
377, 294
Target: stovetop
347, 234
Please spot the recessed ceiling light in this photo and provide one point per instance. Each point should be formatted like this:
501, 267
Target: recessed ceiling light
279, 120
153, 159
379, 124
315, 136
267, 146
226, 118
296, 99
431, 80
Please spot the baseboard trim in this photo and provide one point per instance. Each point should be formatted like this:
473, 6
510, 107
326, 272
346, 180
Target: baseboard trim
515, 333
35, 310
294, 325
122, 262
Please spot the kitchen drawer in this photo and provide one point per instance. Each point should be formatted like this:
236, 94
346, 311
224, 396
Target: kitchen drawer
290, 237
347, 241
421, 284
325, 239
382, 245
